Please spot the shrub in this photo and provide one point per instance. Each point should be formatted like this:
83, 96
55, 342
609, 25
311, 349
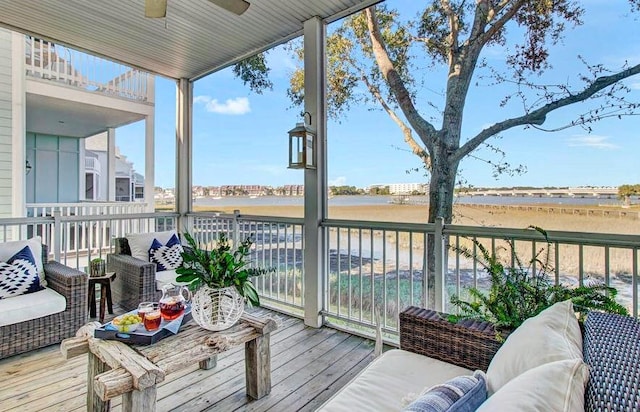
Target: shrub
519, 291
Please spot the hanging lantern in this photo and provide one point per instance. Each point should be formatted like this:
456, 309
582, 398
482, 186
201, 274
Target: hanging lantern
302, 147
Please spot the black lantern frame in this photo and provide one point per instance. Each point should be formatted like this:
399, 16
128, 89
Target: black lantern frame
302, 147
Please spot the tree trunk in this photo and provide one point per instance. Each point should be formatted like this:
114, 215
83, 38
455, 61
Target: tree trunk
441, 187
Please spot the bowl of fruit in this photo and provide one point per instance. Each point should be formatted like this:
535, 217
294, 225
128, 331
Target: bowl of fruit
127, 323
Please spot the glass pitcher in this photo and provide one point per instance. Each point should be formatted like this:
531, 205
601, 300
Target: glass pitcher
174, 300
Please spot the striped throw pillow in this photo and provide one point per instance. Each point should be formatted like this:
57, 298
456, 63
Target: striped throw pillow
460, 394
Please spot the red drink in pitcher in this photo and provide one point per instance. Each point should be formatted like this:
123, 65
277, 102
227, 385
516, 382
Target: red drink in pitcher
171, 309
173, 301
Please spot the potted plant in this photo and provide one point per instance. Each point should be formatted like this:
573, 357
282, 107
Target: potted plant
97, 267
221, 280
525, 288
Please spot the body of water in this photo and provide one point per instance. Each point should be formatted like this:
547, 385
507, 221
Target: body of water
385, 200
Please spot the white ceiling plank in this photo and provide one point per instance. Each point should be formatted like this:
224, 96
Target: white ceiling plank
196, 38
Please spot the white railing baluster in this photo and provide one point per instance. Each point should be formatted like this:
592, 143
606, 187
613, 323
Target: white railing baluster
58, 63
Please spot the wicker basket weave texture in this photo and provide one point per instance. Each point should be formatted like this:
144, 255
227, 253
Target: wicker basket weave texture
611, 348
36, 333
135, 280
469, 344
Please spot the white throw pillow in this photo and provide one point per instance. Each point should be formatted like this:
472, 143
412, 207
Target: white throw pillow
140, 243
553, 335
556, 386
8, 249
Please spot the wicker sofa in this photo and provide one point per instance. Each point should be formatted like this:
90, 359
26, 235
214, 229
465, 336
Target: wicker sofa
434, 350
43, 331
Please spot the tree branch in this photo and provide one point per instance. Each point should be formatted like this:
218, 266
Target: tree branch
406, 130
538, 116
454, 26
500, 23
396, 85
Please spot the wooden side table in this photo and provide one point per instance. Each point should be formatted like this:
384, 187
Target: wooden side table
105, 294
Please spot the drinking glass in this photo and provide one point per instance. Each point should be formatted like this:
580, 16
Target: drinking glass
145, 307
152, 318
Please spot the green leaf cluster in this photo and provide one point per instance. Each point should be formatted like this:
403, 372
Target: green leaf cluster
220, 267
626, 191
523, 289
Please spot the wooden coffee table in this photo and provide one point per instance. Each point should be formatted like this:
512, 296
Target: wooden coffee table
133, 371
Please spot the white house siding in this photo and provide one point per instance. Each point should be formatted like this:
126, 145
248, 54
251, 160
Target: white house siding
5, 124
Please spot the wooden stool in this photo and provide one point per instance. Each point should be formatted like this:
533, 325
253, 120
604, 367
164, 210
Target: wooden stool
105, 294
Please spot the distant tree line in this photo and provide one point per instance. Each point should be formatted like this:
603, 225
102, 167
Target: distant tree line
345, 190
380, 190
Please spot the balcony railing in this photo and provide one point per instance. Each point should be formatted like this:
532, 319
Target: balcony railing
91, 164
372, 269
378, 268
75, 240
45, 60
278, 245
85, 208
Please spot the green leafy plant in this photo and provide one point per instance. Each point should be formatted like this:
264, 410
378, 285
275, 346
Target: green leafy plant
220, 267
524, 289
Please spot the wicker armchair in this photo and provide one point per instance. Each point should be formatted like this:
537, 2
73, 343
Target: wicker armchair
36, 333
611, 347
135, 280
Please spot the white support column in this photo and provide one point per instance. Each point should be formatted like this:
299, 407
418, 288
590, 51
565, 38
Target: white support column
82, 180
184, 104
111, 164
18, 127
315, 193
149, 162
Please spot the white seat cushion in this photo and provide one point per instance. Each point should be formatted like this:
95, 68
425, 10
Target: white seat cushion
32, 306
140, 243
167, 276
390, 382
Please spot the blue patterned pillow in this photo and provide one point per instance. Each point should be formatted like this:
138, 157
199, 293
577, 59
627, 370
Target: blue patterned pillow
460, 394
19, 275
166, 257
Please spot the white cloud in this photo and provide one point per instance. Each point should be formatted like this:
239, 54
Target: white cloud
339, 181
237, 106
595, 141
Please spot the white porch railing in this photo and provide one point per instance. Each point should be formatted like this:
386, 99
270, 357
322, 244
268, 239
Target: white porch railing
75, 240
85, 208
92, 164
61, 64
370, 266
379, 266
278, 244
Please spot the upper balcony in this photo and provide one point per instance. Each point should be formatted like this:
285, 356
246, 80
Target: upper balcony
92, 165
49, 61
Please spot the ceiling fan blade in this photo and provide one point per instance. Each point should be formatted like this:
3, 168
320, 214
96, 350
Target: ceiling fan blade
234, 6
155, 9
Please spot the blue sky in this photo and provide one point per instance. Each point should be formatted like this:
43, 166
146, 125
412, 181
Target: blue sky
240, 137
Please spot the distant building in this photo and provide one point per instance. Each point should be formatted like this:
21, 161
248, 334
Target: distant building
129, 184
403, 188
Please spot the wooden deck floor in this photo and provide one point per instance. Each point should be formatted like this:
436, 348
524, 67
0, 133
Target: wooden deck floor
307, 367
